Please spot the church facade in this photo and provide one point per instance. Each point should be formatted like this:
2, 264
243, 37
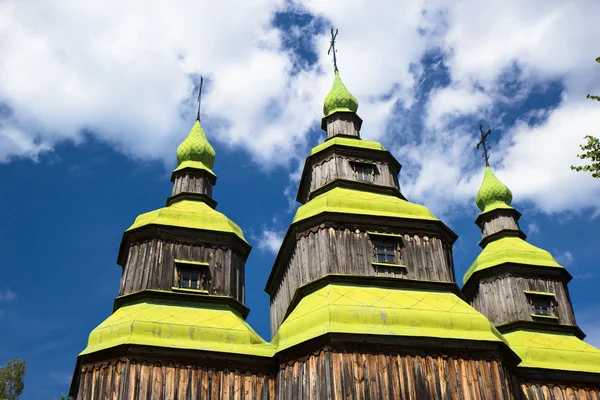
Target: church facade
363, 294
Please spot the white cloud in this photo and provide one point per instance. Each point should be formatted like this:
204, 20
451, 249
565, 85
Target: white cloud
533, 229
121, 69
565, 258
270, 240
125, 76
7, 295
456, 101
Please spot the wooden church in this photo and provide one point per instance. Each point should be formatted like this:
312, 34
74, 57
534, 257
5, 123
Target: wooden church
364, 300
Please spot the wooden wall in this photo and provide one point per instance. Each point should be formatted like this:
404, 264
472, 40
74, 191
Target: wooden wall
192, 182
546, 391
329, 250
342, 124
336, 166
502, 299
150, 265
122, 379
499, 222
332, 374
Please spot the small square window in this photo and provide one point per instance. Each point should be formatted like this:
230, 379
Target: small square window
385, 250
364, 172
541, 305
189, 278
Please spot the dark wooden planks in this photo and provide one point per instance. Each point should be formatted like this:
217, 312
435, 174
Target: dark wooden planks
150, 265
331, 374
139, 379
502, 299
328, 250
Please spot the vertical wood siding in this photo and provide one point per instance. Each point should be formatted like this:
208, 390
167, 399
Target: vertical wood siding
191, 182
545, 391
342, 125
123, 379
352, 375
498, 223
339, 167
502, 299
150, 265
341, 251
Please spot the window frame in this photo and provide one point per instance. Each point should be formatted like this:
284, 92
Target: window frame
388, 244
542, 305
198, 269
356, 165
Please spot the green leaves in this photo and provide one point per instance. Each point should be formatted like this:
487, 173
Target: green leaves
11, 379
591, 152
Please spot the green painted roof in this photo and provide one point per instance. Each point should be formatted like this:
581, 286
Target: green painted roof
339, 308
190, 326
510, 249
194, 165
339, 98
189, 214
351, 201
196, 148
549, 350
349, 142
492, 194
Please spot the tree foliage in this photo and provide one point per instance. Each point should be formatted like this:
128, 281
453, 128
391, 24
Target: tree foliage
589, 96
11, 379
591, 152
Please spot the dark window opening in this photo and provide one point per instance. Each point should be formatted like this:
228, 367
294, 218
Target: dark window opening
189, 278
385, 250
364, 172
541, 306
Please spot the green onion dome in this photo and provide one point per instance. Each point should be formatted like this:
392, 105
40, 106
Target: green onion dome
196, 148
339, 98
492, 194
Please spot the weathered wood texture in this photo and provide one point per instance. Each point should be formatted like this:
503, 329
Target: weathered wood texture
150, 265
348, 375
122, 379
192, 182
547, 391
336, 166
497, 223
323, 251
342, 124
502, 298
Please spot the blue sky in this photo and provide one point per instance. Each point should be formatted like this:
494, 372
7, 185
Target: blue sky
89, 124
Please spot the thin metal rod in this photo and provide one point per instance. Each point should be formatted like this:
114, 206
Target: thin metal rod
199, 98
483, 137
332, 49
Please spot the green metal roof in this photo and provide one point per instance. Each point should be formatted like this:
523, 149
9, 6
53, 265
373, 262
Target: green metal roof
351, 201
492, 194
168, 323
510, 249
339, 98
339, 308
189, 214
196, 148
349, 142
194, 165
559, 351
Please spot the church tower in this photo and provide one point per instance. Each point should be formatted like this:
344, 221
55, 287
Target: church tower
363, 298
523, 291
178, 328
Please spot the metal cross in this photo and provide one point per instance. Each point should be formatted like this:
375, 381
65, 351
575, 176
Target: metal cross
332, 49
199, 98
483, 137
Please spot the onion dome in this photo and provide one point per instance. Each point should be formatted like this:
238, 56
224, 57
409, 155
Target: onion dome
339, 98
492, 194
196, 148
